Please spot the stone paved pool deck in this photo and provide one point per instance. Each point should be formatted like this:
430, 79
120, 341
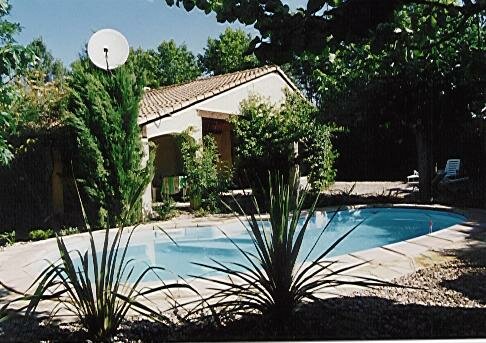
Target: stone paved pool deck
21, 263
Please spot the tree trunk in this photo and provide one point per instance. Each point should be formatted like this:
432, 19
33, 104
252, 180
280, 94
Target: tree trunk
294, 174
425, 163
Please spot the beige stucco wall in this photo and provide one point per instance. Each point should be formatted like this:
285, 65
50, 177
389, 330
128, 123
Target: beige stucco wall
176, 124
270, 86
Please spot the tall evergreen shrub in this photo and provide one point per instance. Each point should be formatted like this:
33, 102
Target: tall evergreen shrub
108, 151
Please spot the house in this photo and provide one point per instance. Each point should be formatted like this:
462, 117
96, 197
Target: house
205, 104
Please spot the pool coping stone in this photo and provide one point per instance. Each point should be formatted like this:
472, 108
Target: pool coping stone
386, 263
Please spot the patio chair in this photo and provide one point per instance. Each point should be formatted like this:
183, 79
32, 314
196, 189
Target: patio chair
452, 167
452, 173
451, 170
412, 179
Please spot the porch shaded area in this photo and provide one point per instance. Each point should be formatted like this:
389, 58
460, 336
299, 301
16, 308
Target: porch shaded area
168, 162
220, 129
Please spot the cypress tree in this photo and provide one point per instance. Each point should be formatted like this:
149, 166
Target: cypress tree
108, 150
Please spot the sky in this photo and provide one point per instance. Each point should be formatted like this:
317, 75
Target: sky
66, 25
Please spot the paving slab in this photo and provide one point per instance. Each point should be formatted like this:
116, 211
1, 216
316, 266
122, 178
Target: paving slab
430, 242
406, 248
379, 272
379, 254
450, 235
344, 261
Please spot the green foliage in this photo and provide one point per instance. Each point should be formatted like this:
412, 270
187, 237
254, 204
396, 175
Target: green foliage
266, 134
7, 96
40, 107
381, 82
41, 234
167, 65
206, 176
69, 231
108, 151
228, 53
176, 64
272, 282
14, 60
44, 61
147, 64
166, 209
36, 132
285, 33
7, 238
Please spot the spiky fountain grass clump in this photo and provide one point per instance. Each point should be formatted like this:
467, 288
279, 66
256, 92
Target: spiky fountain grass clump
97, 289
275, 282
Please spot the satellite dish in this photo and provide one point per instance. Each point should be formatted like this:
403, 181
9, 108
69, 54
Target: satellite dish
108, 49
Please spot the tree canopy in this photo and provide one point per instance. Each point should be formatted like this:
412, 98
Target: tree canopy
14, 59
228, 53
424, 70
285, 33
44, 62
167, 65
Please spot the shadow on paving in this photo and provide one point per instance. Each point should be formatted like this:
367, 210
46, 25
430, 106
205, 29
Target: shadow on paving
344, 318
245, 202
356, 318
472, 282
360, 199
30, 329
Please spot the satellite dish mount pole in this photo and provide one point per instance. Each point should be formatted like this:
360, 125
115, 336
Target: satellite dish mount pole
105, 49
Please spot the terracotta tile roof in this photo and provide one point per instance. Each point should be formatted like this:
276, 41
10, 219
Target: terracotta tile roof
163, 101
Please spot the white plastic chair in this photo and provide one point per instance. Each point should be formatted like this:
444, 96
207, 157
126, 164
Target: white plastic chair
414, 178
452, 168
450, 171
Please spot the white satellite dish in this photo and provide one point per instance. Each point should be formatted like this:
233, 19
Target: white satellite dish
108, 49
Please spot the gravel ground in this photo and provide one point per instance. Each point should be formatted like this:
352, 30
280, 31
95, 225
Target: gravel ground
372, 188
447, 301
451, 284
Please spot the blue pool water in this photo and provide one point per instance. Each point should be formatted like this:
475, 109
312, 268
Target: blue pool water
381, 226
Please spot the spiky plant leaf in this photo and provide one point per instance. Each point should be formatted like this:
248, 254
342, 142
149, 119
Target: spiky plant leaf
99, 294
272, 282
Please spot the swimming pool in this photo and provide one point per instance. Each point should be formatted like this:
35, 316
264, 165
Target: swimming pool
381, 226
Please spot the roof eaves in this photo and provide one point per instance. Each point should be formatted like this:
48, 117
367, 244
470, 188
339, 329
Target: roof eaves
286, 78
253, 75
